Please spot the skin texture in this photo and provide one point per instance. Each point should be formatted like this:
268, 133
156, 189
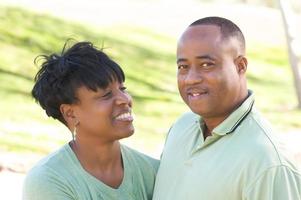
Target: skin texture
211, 73
98, 112
99, 124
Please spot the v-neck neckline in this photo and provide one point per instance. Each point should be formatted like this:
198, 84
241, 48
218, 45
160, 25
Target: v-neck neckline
98, 182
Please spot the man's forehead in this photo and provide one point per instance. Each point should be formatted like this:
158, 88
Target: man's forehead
206, 34
201, 31
206, 39
200, 34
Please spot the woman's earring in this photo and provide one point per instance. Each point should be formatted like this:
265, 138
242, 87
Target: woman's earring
74, 131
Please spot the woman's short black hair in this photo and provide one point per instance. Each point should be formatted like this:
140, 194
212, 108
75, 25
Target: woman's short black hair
60, 76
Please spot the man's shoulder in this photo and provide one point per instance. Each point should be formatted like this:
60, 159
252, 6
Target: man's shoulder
255, 126
259, 121
263, 141
183, 128
186, 119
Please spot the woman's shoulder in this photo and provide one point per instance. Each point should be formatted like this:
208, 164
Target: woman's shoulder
50, 165
47, 175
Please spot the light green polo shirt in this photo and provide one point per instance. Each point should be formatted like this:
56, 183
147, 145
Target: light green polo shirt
61, 176
240, 161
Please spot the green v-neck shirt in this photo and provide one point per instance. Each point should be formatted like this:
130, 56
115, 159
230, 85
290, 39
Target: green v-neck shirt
61, 176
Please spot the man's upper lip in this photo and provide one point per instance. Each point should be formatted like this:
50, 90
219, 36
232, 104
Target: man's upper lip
196, 90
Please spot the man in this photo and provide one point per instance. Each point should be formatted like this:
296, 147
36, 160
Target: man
223, 149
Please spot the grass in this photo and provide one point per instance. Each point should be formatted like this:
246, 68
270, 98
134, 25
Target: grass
149, 63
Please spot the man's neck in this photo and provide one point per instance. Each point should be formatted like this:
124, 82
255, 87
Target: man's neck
211, 122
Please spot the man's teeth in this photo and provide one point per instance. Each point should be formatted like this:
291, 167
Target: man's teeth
195, 94
124, 116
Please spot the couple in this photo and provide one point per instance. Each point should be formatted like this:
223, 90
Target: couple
222, 150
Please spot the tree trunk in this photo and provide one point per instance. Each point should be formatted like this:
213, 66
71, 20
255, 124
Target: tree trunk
291, 34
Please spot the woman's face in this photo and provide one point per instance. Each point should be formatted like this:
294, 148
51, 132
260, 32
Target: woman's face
104, 115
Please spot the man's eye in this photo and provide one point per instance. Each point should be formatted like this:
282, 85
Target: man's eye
207, 65
182, 67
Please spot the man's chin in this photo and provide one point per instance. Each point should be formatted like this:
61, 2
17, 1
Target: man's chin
202, 110
197, 107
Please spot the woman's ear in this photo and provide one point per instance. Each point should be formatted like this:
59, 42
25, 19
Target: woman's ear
67, 113
241, 63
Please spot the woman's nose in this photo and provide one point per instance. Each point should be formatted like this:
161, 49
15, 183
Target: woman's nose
124, 97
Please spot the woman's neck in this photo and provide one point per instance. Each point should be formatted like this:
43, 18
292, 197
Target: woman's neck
101, 160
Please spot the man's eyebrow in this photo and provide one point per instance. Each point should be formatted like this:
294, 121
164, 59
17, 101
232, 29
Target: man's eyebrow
181, 60
208, 57
205, 57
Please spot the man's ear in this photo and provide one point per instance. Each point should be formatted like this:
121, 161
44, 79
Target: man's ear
241, 63
67, 112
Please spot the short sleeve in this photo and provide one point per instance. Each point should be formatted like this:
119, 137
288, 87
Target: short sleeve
277, 183
44, 185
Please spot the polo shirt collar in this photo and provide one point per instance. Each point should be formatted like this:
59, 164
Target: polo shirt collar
235, 118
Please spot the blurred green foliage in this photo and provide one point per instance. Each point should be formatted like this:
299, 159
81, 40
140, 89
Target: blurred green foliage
149, 63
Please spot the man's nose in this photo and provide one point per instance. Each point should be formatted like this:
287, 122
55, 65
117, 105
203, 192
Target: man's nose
193, 77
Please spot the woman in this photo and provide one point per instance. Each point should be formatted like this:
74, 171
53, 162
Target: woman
84, 89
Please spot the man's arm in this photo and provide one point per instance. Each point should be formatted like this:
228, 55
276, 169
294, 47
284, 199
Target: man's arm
276, 183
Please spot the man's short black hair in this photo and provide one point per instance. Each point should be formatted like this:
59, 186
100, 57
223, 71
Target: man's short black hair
60, 76
228, 28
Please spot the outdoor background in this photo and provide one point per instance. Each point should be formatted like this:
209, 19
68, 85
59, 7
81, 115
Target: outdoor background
141, 36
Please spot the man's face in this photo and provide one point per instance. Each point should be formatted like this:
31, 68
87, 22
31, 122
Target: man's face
210, 78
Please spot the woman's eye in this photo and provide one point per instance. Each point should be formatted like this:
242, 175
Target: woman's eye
123, 88
107, 94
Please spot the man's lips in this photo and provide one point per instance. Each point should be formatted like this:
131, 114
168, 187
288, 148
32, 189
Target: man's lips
195, 94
